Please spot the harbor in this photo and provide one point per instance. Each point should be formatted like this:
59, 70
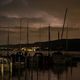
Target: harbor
39, 40
33, 66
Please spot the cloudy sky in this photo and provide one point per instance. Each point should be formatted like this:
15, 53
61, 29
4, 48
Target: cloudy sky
38, 12
44, 11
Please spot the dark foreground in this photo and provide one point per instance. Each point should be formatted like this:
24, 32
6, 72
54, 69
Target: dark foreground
38, 67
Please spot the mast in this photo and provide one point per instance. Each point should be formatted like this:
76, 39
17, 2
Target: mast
49, 32
27, 29
58, 35
64, 23
67, 38
40, 33
39, 38
20, 32
8, 41
49, 38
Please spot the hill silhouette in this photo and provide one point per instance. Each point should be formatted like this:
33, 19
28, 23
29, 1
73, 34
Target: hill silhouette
62, 44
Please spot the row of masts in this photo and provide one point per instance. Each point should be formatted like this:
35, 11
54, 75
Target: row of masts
49, 31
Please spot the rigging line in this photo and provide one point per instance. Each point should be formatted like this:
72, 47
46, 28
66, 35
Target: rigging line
64, 22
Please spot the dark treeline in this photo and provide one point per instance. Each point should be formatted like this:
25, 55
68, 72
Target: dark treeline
62, 44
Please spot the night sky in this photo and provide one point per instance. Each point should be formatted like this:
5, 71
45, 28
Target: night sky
38, 12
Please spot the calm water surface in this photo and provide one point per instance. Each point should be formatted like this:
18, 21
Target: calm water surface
58, 72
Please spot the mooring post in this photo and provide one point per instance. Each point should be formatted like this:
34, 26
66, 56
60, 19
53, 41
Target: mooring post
2, 69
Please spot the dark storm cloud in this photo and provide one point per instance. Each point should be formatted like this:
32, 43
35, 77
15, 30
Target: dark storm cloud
5, 2
51, 6
52, 11
15, 22
23, 8
15, 7
57, 8
48, 5
54, 6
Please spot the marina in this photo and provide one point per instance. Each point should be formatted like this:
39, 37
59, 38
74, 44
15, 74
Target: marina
39, 40
35, 67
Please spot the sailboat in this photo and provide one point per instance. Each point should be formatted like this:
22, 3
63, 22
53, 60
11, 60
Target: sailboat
58, 57
38, 56
18, 57
5, 61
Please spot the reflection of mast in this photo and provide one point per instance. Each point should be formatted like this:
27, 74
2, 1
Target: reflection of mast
71, 70
64, 23
49, 75
58, 76
66, 73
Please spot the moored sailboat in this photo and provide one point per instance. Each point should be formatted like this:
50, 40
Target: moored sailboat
58, 57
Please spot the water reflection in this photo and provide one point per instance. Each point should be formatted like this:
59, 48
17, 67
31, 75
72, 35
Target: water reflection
57, 72
69, 71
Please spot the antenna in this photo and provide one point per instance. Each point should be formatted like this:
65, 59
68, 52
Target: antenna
64, 22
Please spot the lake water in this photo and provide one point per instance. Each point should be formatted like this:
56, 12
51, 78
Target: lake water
57, 72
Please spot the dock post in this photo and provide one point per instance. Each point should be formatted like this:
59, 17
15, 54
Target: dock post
2, 70
11, 68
